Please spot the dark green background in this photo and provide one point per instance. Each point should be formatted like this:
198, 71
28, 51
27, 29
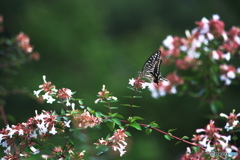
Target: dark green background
84, 44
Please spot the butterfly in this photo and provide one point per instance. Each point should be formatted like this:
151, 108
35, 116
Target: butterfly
151, 68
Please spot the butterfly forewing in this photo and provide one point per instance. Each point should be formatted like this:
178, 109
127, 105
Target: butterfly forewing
151, 69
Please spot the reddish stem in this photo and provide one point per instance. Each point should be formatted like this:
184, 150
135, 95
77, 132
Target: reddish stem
156, 129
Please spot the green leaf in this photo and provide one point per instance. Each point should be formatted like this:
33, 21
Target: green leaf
213, 108
177, 143
99, 114
127, 96
101, 149
63, 112
148, 131
133, 89
136, 106
128, 134
112, 114
136, 126
113, 107
117, 121
137, 97
235, 138
111, 125
126, 105
153, 124
168, 137
137, 118
185, 137
171, 130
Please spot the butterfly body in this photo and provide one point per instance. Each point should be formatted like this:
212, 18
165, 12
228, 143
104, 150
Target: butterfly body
151, 68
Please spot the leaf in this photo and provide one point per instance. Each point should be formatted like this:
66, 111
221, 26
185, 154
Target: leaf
137, 118
111, 125
213, 108
128, 134
127, 96
196, 149
148, 131
235, 138
168, 137
113, 107
99, 114
126, 105
117, 121
171, 130
137, 97
112, 114
136, 126
153, 124
101, 149
177, 143
133, 89
136, 106
185, 137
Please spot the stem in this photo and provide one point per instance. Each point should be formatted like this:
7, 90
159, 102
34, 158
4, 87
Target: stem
158, 130
4, 117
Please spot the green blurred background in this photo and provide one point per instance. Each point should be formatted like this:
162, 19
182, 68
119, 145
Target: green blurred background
85, 44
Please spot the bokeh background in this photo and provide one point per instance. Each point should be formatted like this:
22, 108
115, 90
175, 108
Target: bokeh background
85, 44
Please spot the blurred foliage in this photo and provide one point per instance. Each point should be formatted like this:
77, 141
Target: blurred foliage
84, 44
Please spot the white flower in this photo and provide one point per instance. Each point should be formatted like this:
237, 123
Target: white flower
210, 36
53, 131
227, 56
223, 115
34, 150
168, 42
67, 123
231, 74
200, 130
20, 132
209, 148
223, 144
173, 90
204, 142
132, 81
205, 28
144, 85
162, 92
215, 55
73, 106
36, 93
153, 90
238, 70
216, 17
2, 137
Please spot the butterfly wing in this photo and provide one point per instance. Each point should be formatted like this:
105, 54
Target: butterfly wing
151, 68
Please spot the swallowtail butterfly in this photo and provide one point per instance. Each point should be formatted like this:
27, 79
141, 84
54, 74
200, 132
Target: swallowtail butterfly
151, 68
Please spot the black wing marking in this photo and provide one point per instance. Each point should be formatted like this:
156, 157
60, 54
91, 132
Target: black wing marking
151, 68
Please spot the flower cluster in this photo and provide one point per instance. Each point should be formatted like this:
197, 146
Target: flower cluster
85, 120
117, 142
232, 122
51, 92
208, 43
165, 87
24, 42
138, 83
59, 153
105, 94
39, 127
227, 73
213, 141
